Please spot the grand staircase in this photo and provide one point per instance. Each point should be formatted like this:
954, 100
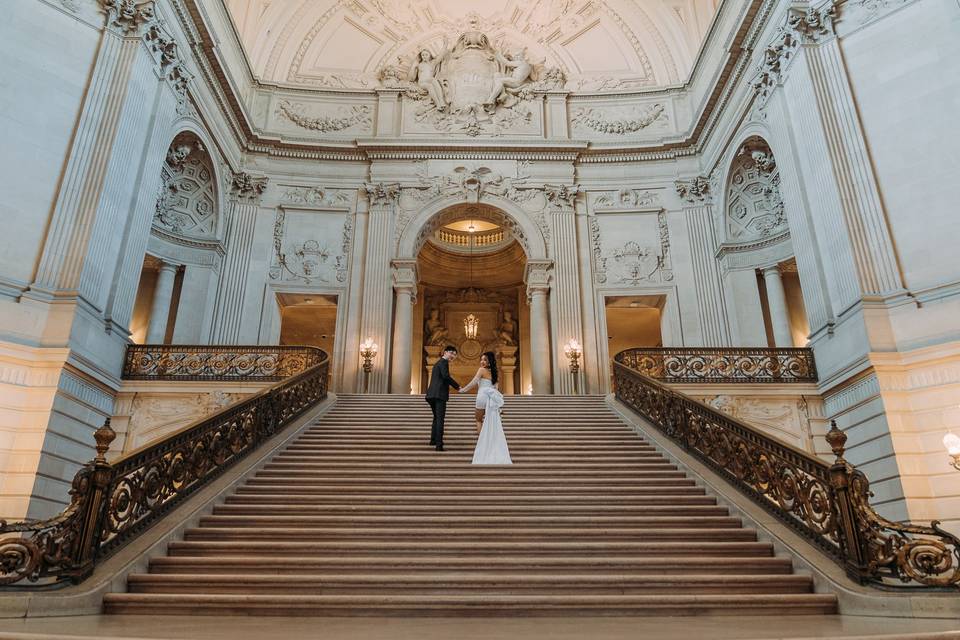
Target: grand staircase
360, 516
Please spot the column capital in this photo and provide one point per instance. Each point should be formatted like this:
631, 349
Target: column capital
405, 276
244, 186
562, 196
128, 17
537, 277
695, 191
380, 193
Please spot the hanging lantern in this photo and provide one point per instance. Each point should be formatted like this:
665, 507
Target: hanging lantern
470, 327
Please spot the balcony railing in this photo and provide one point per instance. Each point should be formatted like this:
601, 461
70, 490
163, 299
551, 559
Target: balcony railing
829, 504
217, 362
111, 503
707, 364
464, 240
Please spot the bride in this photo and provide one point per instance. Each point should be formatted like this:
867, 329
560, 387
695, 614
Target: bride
492, 444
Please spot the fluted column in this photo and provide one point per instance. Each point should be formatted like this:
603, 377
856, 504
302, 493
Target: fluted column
162, 297
245, 192
699, 215
405, 288
777, 304
377, 298
537, 278
566, 286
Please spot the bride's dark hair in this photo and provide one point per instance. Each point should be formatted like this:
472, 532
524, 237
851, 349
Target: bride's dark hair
492, 365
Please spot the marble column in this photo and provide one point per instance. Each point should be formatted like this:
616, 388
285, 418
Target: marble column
162, 297
537, 278
405, 287
777, 304
245, 192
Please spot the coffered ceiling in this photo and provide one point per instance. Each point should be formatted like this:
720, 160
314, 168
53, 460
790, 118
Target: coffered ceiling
600, 45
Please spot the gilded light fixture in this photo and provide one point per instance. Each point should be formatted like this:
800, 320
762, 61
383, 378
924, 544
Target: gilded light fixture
573, 351
368, 351
952, 442
470, 327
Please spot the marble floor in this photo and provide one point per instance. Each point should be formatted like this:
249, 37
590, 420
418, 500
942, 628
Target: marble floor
707, 627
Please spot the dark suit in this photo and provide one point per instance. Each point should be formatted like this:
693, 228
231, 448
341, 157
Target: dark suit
438, 392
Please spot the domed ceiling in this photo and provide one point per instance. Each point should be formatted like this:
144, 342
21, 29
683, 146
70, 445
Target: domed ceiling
598, 45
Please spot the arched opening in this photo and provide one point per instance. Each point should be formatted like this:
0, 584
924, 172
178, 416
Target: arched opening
181, 269
471, 262
761, 273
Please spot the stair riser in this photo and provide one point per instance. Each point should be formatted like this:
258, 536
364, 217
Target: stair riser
404, 512
579, 537
444, 589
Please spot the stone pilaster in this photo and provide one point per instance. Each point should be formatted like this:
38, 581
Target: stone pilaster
777, 304
245, 194
699, 215
162, 297
376, 310
566, 284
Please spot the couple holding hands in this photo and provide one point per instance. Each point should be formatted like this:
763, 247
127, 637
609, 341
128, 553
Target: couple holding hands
492, 443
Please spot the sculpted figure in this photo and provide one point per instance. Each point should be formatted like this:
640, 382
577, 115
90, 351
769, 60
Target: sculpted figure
508, 330
424, 72
502, 83
436, 332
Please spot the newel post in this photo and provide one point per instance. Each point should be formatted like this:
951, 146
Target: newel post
851, 544
94, 507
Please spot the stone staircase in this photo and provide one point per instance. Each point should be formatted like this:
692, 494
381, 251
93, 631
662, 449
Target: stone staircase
360, 516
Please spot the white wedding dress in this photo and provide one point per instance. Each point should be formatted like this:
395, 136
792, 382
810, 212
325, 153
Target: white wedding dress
492, 443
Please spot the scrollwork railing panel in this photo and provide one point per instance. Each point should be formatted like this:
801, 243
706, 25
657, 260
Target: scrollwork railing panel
827, 504
112, 503
216, 362
715, 364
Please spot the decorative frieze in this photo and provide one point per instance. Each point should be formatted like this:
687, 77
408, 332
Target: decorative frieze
247, 187
357, 116
319, 197
627, 199
612, 123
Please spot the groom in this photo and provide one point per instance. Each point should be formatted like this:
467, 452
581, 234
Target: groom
438, 393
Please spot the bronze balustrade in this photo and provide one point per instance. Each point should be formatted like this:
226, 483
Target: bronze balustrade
111, 503
829, 504
721, 364
216, 362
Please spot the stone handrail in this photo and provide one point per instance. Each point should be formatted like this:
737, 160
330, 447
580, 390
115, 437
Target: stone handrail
829, 504
111, 503
217, 362
722, 364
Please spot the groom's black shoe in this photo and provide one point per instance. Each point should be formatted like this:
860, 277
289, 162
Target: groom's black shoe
439, 447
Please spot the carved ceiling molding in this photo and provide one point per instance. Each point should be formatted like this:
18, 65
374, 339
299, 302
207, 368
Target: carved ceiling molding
341, 119
809, 26
407, 28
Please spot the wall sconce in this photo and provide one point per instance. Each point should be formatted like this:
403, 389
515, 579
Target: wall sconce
573, 351
952, 442
368, 351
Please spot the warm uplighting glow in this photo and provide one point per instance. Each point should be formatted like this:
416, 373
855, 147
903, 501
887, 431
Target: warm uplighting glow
472, 227
573, 348
471, 325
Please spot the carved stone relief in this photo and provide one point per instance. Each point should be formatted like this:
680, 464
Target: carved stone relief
786, 418
187, 204
627, 199
619, 121
153, 416
301, 251
644, 258
342, 119
754, 207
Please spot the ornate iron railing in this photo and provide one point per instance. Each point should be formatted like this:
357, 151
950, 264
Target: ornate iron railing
217, 362
112, 503
827, 504
711, 364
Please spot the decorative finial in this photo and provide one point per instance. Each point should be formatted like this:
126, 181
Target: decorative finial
104, 436
836, 439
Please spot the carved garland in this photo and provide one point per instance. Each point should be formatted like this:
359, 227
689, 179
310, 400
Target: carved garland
595, 119
357, 115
